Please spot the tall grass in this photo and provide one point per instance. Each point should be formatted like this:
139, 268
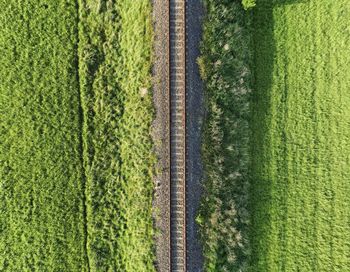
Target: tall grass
115, 63
225, 67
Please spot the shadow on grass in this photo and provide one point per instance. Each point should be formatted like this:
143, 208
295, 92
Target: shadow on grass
262, 185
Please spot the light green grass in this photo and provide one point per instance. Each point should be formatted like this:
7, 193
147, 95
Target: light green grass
76, 157
41, 177
301, 148
115, 63
248, 4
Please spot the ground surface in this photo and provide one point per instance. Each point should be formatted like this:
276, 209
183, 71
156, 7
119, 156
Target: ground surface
161, 134
194, 120
301, 147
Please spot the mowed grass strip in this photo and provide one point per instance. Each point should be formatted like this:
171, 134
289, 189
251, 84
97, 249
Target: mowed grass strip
41, 177
115, 64
301, 148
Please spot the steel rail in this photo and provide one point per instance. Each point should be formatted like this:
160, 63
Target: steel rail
177, 62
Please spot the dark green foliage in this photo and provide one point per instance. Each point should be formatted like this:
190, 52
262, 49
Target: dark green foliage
115, 61
224, 65
41, 177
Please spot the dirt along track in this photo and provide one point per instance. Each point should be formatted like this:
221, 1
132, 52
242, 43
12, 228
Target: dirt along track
178, 100
194, 118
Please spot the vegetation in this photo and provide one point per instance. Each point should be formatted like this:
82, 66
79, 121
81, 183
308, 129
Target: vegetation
41, 177
115, 61
248, 4
299, 149
300, 189
224, 65
75, 149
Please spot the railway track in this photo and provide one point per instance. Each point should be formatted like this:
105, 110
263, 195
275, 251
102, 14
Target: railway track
177, 60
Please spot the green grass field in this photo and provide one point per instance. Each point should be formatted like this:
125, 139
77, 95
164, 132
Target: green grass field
301, 130
296, 127
41, 178
75, 150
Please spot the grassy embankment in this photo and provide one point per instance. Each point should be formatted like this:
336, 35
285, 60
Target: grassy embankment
225, 62
115, 61
52, 157
41, 176
301, 148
